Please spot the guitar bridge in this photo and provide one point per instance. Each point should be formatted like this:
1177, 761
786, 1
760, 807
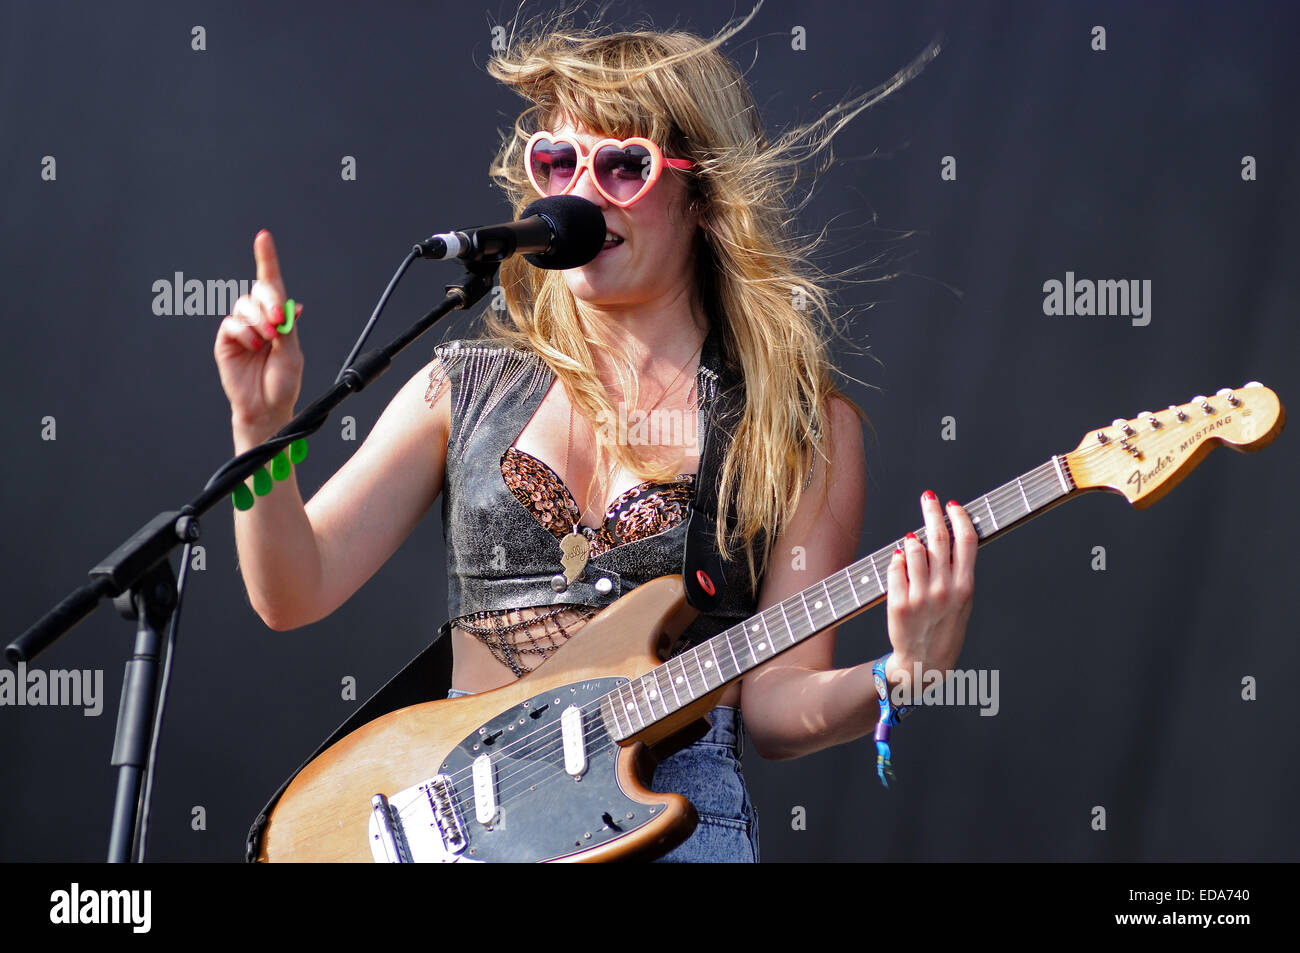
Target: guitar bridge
421, 824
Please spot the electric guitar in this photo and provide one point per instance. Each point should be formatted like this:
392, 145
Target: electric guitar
556, 766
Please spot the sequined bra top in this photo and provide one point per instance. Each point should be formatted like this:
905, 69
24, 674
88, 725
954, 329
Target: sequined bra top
504, 511
640, 512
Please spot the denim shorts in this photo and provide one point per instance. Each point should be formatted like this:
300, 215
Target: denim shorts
708, 775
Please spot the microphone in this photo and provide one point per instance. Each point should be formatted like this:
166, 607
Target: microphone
556, 232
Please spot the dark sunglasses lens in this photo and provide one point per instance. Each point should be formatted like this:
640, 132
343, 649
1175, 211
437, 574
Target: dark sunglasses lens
552, 164
624, 173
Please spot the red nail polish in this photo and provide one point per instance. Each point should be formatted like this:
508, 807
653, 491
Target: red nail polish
953, 503
898, 552
912, 536
929, 495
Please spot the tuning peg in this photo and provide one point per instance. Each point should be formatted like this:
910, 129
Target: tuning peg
1201, 401
1178, 412
1151, 419
1123, 426
1231, 398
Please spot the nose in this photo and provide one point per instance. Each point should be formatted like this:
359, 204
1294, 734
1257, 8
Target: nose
585, 188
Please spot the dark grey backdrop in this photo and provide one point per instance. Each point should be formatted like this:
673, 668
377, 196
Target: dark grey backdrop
1119, 689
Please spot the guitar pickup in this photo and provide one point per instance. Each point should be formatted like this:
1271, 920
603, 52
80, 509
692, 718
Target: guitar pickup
485, 795
575, 745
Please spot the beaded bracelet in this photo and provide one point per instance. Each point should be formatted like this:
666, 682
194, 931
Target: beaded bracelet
890, 715
262, 484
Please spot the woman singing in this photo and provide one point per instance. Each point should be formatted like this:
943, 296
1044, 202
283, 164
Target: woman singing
554, 503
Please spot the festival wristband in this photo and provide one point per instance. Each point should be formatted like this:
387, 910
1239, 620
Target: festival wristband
890, 715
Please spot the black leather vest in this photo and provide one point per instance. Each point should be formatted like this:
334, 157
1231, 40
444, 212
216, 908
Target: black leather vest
498, 555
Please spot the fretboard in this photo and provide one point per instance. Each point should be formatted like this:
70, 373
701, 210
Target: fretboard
727, 656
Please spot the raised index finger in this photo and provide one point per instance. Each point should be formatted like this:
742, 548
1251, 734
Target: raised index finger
268, 265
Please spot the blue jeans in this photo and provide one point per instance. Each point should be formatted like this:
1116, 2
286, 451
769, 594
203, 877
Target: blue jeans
708, 775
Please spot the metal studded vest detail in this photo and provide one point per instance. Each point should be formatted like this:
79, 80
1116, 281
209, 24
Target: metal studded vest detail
499, 555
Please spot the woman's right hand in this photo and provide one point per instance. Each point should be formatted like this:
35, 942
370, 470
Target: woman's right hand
261, 369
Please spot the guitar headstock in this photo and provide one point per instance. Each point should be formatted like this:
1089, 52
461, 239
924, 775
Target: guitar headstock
1145, 457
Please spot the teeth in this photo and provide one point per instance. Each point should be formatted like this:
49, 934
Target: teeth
611, 237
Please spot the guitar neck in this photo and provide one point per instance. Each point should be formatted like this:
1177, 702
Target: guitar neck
730, 654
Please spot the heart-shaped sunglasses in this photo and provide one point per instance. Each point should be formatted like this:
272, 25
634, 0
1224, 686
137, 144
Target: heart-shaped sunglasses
623, 170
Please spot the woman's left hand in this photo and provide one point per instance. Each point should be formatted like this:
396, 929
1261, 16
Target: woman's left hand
931, 588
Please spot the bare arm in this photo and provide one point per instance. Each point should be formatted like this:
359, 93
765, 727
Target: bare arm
798, 703
300, 563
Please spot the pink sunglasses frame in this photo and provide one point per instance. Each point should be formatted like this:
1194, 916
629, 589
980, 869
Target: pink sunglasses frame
657, 162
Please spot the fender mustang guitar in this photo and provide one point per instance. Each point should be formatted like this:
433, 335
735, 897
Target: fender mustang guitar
555, 766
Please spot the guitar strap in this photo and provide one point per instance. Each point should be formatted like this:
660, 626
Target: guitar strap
708, 579
428, 676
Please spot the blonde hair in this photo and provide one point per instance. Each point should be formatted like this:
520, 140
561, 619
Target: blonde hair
757, 283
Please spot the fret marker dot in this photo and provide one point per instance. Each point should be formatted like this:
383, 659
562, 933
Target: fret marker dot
863, 580
754, 627
762, 646
708, 664
651, 693
679, 679
817, 604
631, 706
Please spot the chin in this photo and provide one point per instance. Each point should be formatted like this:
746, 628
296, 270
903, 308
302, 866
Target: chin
590, 285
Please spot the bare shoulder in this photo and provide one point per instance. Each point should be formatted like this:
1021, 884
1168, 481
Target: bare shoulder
846, 442
840, 485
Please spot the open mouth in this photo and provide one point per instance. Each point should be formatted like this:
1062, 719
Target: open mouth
612, 240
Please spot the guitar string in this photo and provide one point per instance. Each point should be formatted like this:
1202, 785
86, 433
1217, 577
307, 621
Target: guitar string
1044, 475
507, 792
1039, 478
840, 586
549, 773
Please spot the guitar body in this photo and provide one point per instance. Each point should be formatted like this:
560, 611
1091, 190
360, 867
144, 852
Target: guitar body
543, 812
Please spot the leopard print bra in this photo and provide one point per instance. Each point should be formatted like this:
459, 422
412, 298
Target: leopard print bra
644, 510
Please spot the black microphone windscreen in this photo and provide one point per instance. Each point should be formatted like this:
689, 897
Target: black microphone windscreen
579, 231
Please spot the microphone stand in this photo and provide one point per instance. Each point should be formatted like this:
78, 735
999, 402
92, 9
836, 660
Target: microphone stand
138, 575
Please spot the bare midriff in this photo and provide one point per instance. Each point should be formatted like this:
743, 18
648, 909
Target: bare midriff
476, 667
